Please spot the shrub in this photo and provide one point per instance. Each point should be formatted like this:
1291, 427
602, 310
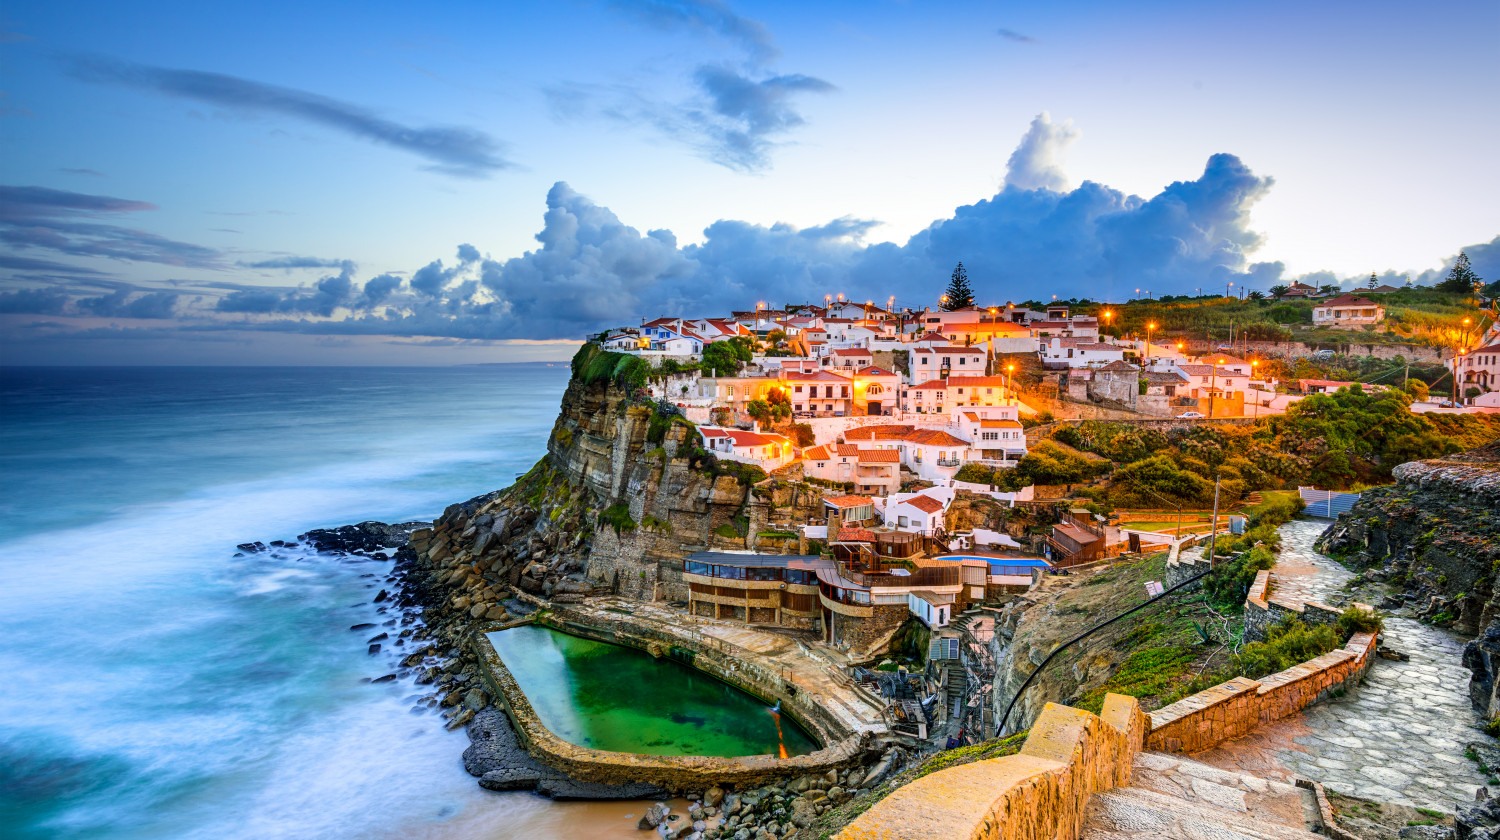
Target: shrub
1070, 435
1355, 620
802, 434
975, 473
1287, 644
1231, 579
617, 516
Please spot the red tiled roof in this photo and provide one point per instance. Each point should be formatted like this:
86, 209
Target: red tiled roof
852, 351
819, 376
856, 535
926, 504
976, 381
951, 350
874, 371
848, 501
879, 456
1349, 300
817, 453
755, 438
891, 432
844, 449
934, 437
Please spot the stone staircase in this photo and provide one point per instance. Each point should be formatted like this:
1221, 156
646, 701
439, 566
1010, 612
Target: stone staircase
1173, 797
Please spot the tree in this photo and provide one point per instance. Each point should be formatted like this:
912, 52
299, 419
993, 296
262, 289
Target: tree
1461, 278
1417, 389
1373, 284
725, 358
1278, 291
1328, 288
959, 295
1256, 295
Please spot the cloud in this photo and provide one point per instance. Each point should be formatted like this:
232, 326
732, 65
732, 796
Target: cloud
708, 16
291, 262
323, 299
739, 108
63, 221
90, 172
120, 304
33, 302
379, 288
29, 264
743, 114
1036, 164
457, 151
1012, 35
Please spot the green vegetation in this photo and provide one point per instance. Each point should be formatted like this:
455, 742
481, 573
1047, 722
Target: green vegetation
1355, 620
651, 523
1230, 579
1148, 672
617, 516
593, 365
1287, 643
727, 531
958, 295
727, 358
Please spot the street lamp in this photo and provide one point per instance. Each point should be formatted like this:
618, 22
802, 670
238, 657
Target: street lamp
1213, 383
1107, 316
1008, 369
1227, 288
1255, 363
1149, 328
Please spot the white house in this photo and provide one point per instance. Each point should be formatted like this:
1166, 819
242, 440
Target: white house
920, 513
933, 609
849, 359
764, 450
940, 396
1478, 368
928, 363
1348, 311
1212, 380
874, 472
1079, 352
994, 439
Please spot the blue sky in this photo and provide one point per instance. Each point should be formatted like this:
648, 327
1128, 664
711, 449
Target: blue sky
272, 183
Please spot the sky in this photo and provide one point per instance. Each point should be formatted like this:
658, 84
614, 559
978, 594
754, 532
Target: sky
449, 183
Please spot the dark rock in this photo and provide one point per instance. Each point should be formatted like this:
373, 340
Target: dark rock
561, 788
1480, 821
380, 638
251, 547
365, 537
374, 649
1482, 658
385, 679
365, 626
382, 596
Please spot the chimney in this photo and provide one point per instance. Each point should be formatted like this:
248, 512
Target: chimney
835, 523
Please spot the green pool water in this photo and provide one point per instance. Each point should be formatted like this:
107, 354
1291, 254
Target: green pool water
610, 697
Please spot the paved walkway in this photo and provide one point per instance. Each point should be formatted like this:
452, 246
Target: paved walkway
1399, 737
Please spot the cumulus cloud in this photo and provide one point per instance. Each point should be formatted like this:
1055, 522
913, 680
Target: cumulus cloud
1036, 164
122, 304
66, 222
379, 288
463, 152
33, 302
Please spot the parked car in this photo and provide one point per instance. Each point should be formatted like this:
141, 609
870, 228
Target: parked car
1190, 415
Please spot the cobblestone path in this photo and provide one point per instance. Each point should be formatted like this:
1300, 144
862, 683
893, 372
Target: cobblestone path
1399, 737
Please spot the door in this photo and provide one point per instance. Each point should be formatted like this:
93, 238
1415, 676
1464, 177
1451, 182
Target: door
874, 406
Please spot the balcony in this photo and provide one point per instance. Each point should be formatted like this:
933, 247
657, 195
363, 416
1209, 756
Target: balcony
948, 462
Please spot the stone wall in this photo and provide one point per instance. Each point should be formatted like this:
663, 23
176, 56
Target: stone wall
1234, 709
852, 633
1262, 612
1041, 792
1293, 349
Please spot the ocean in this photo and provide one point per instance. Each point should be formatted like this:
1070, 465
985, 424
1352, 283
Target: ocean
157, 686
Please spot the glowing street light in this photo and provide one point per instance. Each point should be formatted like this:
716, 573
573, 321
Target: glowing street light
1255, 363
1149, 328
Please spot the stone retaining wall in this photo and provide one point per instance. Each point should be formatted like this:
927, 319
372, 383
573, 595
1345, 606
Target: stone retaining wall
1041, 792
1234, 709
675, 773
842, 745
1263, 610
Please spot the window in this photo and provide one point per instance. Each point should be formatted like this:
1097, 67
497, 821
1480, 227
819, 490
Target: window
960, 359
798, 389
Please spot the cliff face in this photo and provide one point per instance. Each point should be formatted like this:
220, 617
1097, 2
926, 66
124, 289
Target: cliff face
1435, 533
613, 507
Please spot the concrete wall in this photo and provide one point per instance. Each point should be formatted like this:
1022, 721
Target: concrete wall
1041, 792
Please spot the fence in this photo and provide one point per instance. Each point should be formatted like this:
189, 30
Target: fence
1327, 504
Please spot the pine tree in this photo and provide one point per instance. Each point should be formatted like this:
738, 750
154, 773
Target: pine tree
1461, 278
1373, 284
959, 295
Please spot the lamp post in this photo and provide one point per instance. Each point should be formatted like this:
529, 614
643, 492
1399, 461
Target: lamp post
1457, 360
1149, 328
1107, 316
1008, 369
1213, 384
1227, 288
1255, 363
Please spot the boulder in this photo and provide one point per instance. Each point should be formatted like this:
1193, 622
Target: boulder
803, 812
476, 699
656, 814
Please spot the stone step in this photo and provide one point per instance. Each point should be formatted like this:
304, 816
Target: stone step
1170, 796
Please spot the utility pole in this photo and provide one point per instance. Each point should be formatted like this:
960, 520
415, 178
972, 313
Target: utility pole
1213, 533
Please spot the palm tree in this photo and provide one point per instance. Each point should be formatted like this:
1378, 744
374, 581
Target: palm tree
1327, 289
1278, 291
1256, 295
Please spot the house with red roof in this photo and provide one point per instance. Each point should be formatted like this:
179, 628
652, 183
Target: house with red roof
764, 450
1478, 368
1079, 352
822, 393
1348, 312
875, 472
941, 396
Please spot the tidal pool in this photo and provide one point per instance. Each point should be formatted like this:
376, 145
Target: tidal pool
609, 697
